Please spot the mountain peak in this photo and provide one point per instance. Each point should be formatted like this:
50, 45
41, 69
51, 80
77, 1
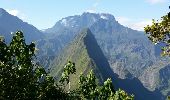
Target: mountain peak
2, 11
105, 16
77, 22
10, 23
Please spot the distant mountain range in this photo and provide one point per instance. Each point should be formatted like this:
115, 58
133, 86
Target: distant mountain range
126, 52
10, 24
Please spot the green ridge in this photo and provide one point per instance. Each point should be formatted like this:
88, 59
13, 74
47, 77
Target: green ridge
86, 54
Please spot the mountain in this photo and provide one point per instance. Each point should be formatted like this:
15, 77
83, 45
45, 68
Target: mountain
77, 22
66, 29
126, 52
87, 55
129, 52
157, 77
10, 24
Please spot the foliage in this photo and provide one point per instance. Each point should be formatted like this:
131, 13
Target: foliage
159, 32
89, 89
20, 76
69, 68
88, 86
107, 90
168, 98
122, 95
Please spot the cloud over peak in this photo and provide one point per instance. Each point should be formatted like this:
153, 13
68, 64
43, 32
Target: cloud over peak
17, 13
13, 12
137, 24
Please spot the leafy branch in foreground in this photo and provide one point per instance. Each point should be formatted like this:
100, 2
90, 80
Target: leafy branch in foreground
88, 86
69, 68
159, 32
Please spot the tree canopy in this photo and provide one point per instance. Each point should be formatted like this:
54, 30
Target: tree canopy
20, 76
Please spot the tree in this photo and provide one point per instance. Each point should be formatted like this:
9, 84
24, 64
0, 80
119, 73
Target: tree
159, 32
107, 90
90, 90
20, 76
121, 95
88, 86
69, 68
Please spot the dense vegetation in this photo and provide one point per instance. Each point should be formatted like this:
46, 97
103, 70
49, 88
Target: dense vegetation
22, 78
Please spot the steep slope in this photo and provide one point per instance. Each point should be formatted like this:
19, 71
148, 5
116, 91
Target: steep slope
52, 45
126, 49
10, 23
157, 77
87, 55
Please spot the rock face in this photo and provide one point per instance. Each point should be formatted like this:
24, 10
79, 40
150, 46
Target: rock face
10, 24
157, 78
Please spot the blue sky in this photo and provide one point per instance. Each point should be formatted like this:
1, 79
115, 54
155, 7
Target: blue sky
45, 13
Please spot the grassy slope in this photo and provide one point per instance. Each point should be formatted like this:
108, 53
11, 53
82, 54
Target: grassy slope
76, 52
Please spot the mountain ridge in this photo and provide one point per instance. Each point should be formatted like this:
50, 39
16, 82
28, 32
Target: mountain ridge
80, 51
10, 23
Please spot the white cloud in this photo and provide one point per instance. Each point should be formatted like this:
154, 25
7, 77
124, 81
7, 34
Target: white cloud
13, 12
137, 24
91, 10
156, 1
140, 25
17, 13
122, 20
